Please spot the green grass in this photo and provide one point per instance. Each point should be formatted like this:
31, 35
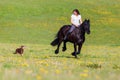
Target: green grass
34, 23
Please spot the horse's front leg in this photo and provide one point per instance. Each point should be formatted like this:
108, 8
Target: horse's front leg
79, 48
57, 50
75, 50
64, 46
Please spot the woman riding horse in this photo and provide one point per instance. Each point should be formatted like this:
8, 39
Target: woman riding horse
76, 21
75, 35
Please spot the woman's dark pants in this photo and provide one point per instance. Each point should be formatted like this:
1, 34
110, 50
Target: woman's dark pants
70, 31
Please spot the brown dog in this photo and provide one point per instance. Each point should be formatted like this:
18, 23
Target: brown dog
20, 50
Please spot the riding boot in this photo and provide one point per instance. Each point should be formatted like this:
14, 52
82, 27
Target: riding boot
66, 35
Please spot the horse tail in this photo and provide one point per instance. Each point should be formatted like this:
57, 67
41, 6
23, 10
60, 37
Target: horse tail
58, 36
55, 42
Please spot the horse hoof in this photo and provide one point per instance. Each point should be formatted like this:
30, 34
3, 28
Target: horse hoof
78, 53
56, 52
73, 54
64, 49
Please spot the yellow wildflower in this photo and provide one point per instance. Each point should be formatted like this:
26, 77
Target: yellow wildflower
43, 70
38, 77
28, 71
57, 71
24, 65
86, 71
84, 74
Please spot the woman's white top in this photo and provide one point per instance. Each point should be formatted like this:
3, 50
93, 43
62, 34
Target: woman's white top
76, 19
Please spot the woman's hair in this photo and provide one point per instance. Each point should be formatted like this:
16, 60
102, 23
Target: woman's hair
76, 10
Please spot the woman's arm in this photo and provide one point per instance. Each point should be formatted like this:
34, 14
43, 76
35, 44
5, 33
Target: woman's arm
80, 20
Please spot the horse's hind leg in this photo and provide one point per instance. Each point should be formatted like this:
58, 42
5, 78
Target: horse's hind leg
75, 51
64, 46
57, 50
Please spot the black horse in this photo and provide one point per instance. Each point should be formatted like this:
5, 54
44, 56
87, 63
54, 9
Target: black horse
77, 37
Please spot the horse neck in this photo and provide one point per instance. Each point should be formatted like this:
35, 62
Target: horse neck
82, 30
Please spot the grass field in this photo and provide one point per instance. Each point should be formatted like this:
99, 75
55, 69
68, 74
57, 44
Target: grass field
34, 23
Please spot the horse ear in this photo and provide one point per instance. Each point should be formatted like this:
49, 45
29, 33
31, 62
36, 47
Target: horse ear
88, 20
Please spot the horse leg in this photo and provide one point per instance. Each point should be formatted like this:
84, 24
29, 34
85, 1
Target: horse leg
79, 49
64, 46
75, 49
57, 50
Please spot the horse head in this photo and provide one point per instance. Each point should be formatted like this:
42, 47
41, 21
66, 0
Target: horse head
86, 25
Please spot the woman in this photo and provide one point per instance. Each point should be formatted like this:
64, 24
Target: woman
76, 21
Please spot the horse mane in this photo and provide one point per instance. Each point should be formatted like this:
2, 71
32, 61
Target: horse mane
83, 23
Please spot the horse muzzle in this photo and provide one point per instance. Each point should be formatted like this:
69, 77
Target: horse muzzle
88, 32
